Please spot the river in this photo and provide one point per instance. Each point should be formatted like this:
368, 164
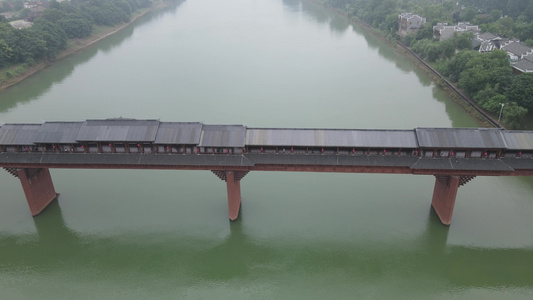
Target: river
137, 234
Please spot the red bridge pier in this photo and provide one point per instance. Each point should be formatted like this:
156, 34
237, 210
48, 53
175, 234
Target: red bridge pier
234, 195
233, 184
38, 188
444, 195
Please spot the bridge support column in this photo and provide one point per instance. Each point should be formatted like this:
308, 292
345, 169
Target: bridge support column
444, 195
38, 188
234, 195
233, 184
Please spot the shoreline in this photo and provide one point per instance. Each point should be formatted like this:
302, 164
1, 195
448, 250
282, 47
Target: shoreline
76, 46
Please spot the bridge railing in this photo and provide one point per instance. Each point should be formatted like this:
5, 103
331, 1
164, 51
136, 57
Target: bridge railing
148, 148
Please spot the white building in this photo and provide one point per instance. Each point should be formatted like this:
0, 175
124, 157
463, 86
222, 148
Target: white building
443, 31
409, 23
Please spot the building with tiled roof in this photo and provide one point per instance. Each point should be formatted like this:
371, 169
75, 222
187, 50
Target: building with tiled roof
410, 23
443, 31
517, 51
523, 66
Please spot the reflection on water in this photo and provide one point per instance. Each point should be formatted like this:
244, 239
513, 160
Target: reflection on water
239, 257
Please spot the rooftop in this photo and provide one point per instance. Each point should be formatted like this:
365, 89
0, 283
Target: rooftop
517, 48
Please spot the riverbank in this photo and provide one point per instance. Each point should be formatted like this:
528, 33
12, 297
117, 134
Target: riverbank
15, 74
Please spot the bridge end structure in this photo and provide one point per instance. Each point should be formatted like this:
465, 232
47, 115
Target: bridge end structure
38, 188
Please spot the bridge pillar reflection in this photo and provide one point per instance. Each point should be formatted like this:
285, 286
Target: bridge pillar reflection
444, 195
233, 184
38, 188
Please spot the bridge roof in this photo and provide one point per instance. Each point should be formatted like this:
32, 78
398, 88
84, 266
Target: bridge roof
473, 138
223, 136
18, 134
58, 132
331, 138
518, 140
178, 133
118, 130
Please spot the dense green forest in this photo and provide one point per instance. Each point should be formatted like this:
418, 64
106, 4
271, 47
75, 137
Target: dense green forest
58, 23
486, 77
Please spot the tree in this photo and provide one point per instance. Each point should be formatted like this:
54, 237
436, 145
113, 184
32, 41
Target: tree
426, 32
464, 41
447, 48
457, 64
5, 53
75, 27
23, 14
469, 14
487, 68
514, 115
52, 34
496, 14
521, 90
490, 99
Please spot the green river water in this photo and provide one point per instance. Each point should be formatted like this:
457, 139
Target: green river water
147, 234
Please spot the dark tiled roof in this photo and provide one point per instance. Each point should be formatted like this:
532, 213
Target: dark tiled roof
331, 138
18, 134
453, 138
179, 133
58, 132
523, 65
518, 140
477, 164
133, 159
223, 136
487, 36
517, 48
518, 163
118, 130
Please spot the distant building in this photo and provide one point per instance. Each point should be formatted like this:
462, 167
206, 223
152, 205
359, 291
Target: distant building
19, 24
409, 23
487, 41
522, 66
517, 51
443, 31
520, 55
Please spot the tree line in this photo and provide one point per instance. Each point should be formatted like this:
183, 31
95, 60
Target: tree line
486, 77
58, 23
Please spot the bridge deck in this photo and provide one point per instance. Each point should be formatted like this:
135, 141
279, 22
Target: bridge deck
275, 162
